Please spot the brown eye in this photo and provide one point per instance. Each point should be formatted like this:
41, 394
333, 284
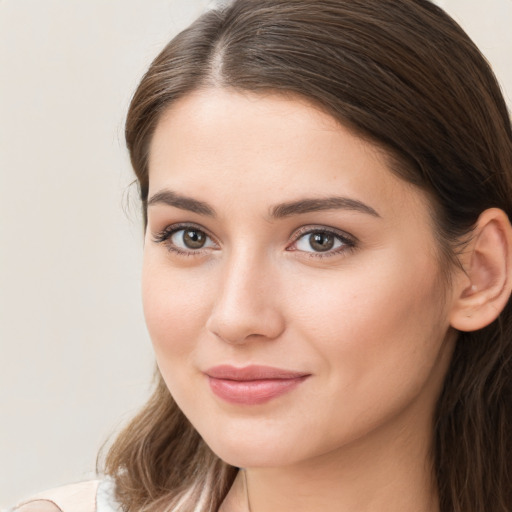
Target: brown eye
321, 242
193, 238
318, 241
188, 239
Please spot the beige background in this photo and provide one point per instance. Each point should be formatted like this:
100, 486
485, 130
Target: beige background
75, 360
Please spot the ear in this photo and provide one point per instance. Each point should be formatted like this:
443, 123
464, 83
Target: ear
484, 288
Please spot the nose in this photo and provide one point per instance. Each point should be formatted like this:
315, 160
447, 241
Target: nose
247, 306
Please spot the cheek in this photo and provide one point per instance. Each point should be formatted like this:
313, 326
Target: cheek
373, 320
378, 342
175, 309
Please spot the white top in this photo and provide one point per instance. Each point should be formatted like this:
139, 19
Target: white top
92, 496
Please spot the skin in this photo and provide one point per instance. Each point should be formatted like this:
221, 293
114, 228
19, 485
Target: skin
369, 321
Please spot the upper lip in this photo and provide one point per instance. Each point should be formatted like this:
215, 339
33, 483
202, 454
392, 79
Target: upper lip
252, 372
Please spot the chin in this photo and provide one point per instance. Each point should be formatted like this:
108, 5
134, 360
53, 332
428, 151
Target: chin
265, 446
254, 456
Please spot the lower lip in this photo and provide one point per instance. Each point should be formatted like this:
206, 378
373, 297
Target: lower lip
252, 392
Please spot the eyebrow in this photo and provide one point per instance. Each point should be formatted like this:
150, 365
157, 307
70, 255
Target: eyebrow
183, 202
316, 205
279, 211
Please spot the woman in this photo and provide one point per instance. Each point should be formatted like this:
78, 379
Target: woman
326, 187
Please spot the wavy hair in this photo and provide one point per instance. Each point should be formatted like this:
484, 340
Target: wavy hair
404, 75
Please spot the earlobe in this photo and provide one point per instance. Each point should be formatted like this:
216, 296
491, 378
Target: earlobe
484, 289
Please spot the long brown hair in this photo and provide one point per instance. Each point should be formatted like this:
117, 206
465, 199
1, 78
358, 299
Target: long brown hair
404, 75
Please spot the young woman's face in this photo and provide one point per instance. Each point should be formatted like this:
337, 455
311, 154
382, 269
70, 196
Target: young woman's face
291, 282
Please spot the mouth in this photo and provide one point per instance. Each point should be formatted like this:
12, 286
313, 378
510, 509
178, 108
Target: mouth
252, 385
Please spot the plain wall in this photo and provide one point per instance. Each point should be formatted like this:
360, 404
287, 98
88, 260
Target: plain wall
75, 359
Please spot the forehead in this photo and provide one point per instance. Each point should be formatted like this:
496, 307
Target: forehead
210, 120
217, 142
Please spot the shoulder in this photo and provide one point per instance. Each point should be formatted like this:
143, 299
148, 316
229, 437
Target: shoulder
90, 496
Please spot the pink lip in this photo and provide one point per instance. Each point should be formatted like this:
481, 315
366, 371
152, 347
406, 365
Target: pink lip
253, 384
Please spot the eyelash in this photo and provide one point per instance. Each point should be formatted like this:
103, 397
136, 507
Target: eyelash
349, 242
163, 237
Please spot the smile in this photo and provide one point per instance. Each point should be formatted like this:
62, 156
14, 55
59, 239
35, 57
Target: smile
252, 385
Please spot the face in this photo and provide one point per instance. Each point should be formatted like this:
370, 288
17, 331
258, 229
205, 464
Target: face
291, 283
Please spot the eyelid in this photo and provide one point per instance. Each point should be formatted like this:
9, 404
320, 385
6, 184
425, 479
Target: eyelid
163, 236
349, 241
